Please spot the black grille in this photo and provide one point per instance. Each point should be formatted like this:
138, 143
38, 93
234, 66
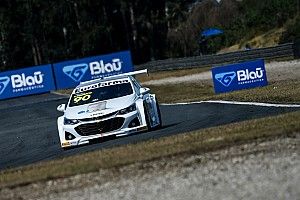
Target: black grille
100, 127
98, 118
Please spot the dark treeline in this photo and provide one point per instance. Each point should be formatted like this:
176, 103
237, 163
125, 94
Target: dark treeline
34, 32
240, 21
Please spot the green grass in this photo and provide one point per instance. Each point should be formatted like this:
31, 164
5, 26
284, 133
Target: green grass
189, 143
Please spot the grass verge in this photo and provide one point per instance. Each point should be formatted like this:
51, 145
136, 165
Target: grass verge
195, 142
157, 76
287, 91
174, 73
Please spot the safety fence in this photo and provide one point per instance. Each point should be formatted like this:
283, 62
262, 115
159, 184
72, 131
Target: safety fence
280, 51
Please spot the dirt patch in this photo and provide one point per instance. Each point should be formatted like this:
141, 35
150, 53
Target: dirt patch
259, 170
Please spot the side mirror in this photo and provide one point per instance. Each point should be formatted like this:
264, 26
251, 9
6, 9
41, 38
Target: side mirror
144, 90
61, 108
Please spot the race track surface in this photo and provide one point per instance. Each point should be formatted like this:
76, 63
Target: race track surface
29, 132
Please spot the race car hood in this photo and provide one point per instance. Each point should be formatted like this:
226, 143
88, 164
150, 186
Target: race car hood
100, 108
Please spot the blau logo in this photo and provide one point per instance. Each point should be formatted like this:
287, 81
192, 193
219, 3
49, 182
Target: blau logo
246, 75
27, 81
225, 78
3, 83
21, 80
76, 72
69, 73
239, 76
102, 68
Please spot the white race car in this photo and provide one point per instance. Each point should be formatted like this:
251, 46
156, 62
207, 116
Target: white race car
116, 105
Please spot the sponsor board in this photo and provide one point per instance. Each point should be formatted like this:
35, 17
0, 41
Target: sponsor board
32, 80
239, 76
70, 73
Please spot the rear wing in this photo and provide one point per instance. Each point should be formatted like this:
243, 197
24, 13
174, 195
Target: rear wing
118, 75
143, 71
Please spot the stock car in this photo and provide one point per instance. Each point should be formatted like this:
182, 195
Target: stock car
113, 106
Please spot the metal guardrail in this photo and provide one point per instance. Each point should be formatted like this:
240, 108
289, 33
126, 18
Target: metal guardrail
280, 51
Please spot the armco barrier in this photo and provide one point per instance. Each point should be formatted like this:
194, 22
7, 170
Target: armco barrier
71, 73
284, 50
26, 81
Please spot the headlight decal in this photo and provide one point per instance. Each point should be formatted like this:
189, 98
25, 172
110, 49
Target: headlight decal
128, 109
70, 121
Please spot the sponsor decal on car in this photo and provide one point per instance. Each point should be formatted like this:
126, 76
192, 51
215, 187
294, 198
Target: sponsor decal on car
82, 97
96, 114
100, 84
97, 107
81, 112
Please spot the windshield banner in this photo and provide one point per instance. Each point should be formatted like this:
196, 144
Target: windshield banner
69, 74
26, 81
239, 76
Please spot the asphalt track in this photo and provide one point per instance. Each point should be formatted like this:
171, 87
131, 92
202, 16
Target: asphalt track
29, 133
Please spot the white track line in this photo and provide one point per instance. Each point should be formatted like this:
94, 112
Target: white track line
239, 103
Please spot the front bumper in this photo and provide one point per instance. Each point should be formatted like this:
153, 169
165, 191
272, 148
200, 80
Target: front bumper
118, 125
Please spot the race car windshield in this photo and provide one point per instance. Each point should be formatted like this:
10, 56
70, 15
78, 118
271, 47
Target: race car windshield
101, 94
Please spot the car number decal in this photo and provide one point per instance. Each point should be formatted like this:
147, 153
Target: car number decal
82, 97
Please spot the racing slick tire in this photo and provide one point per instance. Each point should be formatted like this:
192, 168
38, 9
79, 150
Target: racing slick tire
159, 116
147, 117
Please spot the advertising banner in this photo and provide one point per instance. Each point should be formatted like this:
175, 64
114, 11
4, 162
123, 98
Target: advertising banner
239, 76
70, 73
26, 81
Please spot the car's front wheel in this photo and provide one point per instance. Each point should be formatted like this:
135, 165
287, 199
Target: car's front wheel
149, 121
147, 116
159, 115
